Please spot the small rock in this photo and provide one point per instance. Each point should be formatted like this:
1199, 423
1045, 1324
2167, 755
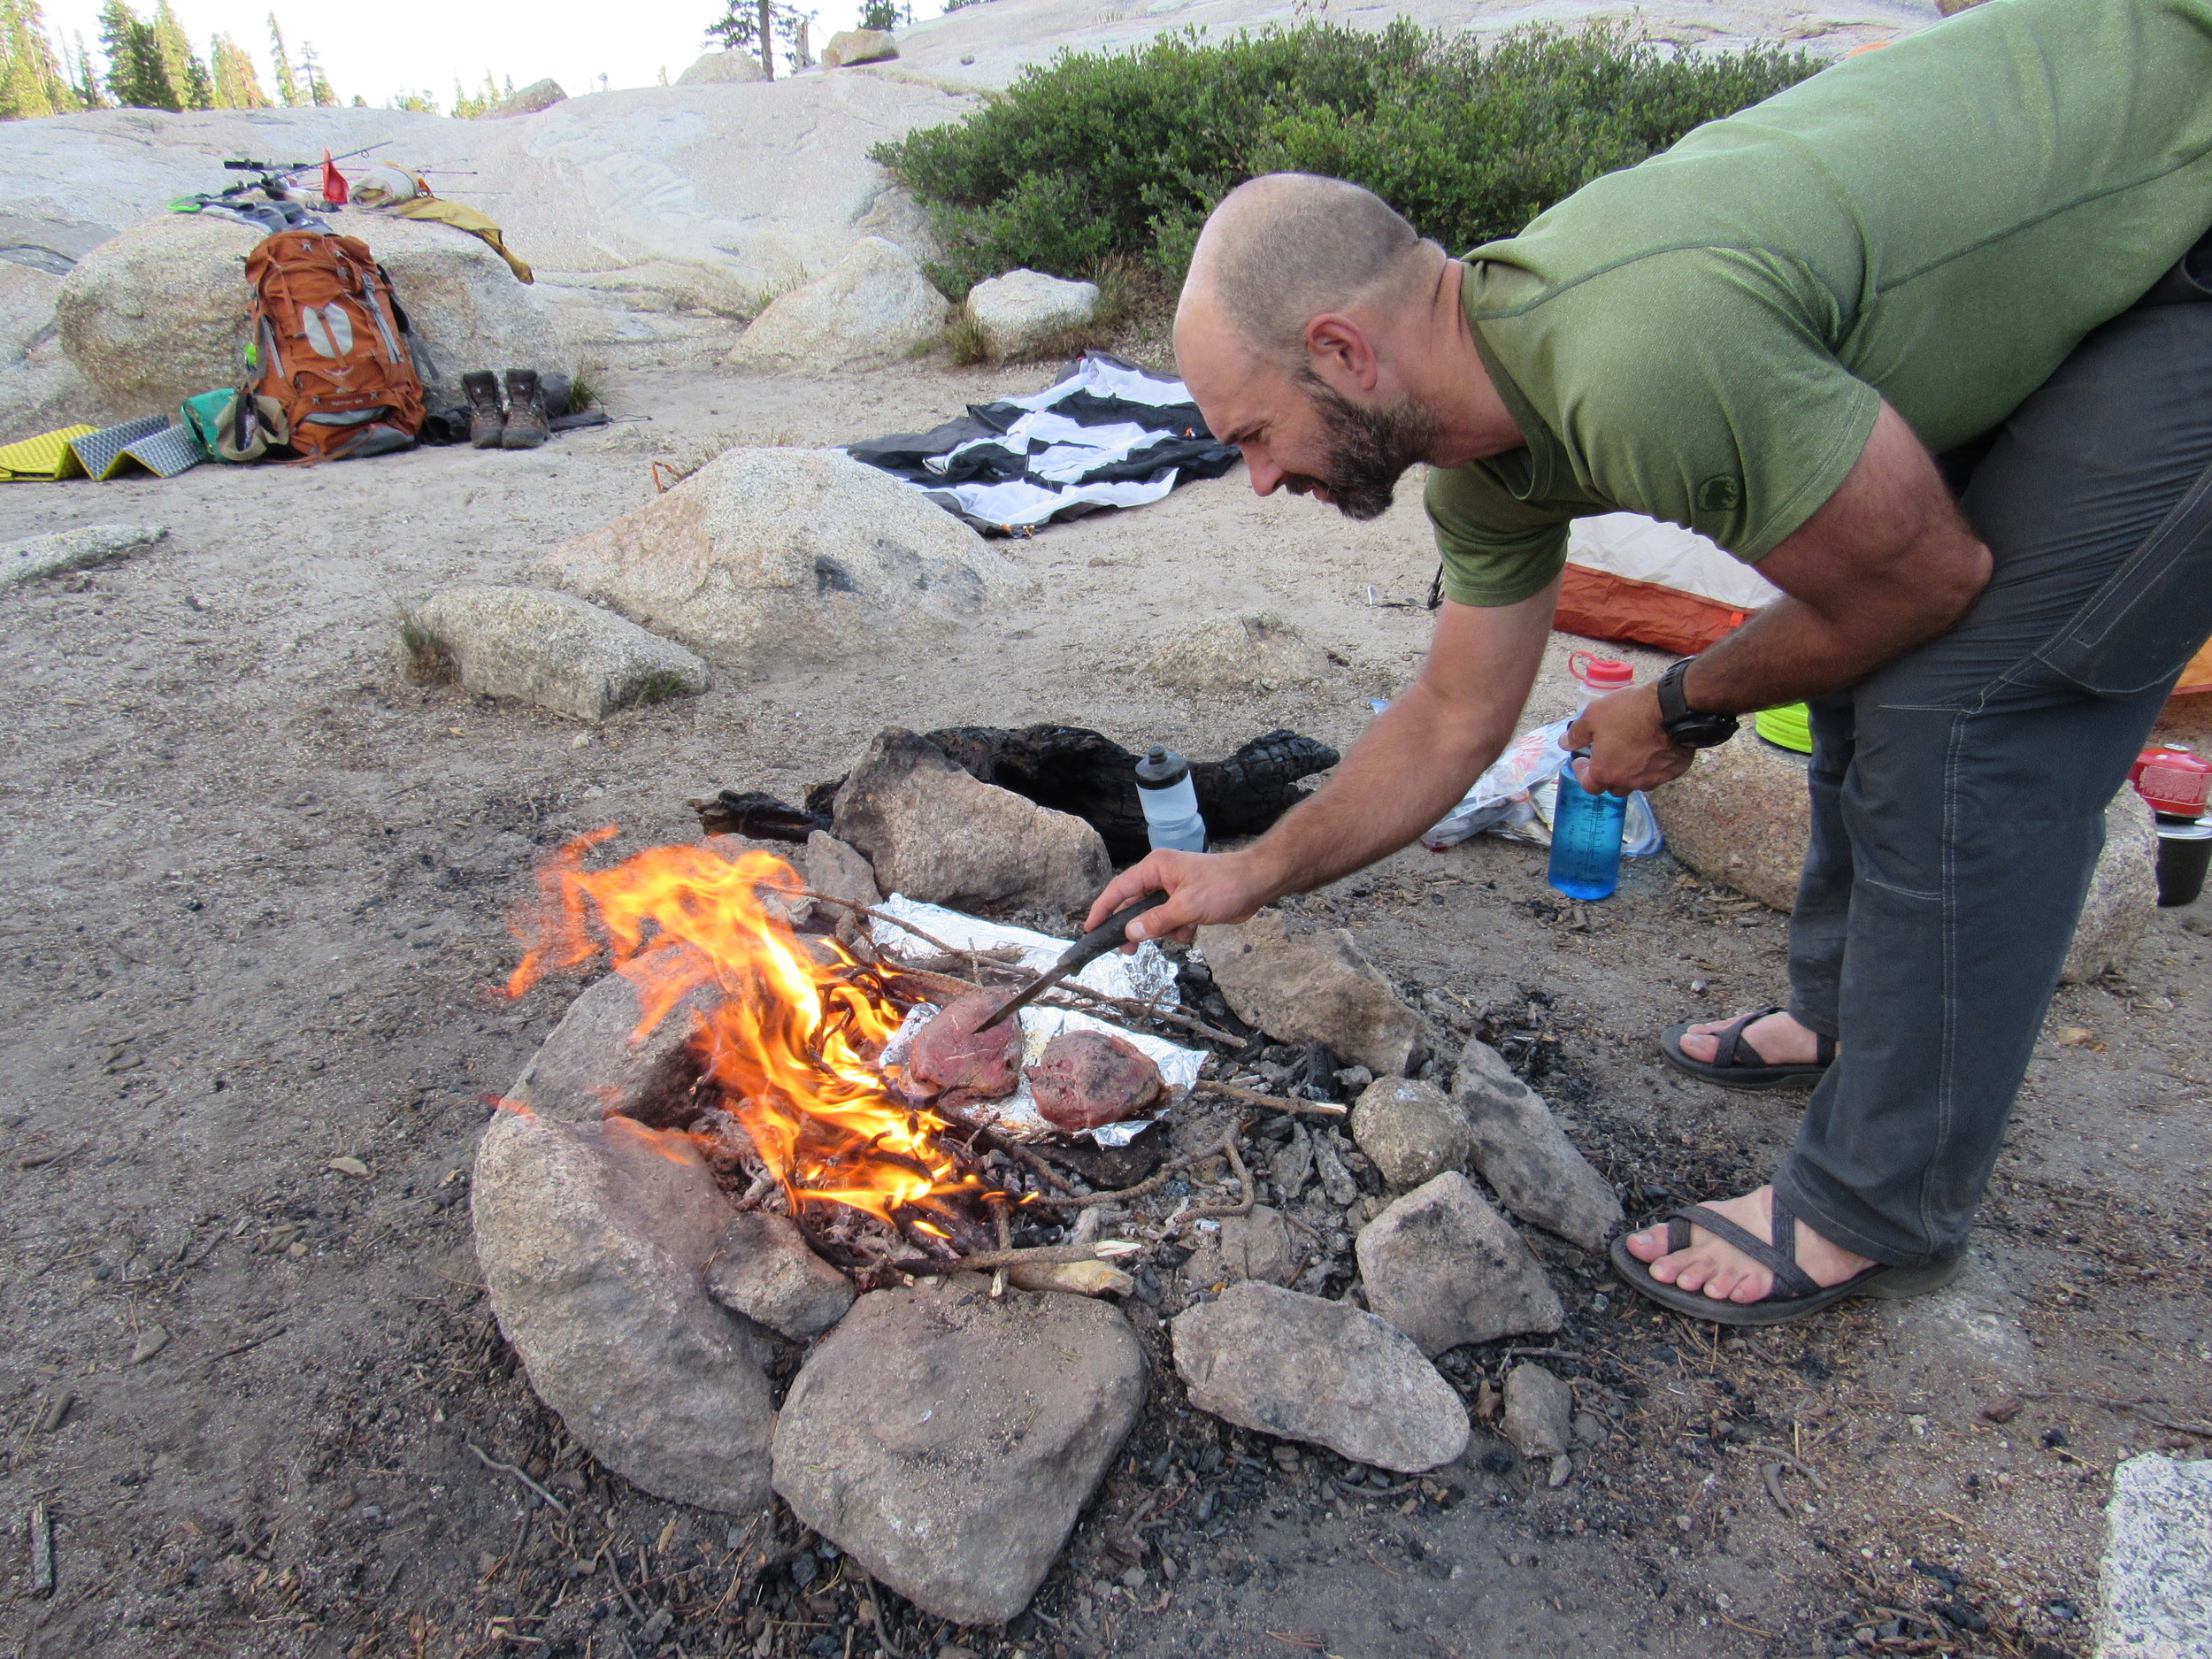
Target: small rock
1446, 1269
1353, 1079
1411, 1130
551, 649
1313, 987
1539, 1411
50, 555
1336, 1181
1563, 1469
1525, 1155
872, 306
764, 1268
722, 68
772, 557
351, 1166
947, 1441
151, 1341
932, 833
838, 870
1291, 1164
1257, 1247
594, 1243
2157, 1598
1251, 653
539, 95
848, 47
1025, 312
1306, 1369
1590, 1430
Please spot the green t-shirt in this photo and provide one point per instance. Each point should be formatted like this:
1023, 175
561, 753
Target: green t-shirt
1704, 338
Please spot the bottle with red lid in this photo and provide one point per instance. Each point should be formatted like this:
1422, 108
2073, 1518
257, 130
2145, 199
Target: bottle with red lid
1601, 674
2176, 782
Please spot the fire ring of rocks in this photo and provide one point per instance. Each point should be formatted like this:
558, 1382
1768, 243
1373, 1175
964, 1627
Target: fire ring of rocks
711, 1159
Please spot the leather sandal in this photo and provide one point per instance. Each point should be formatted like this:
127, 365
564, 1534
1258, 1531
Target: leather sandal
1795, 1293
1737, 1064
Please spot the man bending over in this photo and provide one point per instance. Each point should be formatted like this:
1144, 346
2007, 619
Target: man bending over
1927, 339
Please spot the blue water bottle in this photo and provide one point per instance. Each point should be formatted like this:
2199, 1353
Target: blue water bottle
1585, 838
1586, 829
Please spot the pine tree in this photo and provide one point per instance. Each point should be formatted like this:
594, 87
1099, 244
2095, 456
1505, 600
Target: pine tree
237, 81
319, 88
86, 79
32, 81
187, 76
289, 91
137, 78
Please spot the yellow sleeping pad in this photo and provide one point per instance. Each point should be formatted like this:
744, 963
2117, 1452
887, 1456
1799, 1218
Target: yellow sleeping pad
46, 456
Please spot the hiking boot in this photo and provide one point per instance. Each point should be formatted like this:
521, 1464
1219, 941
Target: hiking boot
526, 426
486, 419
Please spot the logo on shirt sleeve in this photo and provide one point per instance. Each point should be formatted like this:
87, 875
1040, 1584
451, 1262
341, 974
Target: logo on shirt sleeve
1719, 493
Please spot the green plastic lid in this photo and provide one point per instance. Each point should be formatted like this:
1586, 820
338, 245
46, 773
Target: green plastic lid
1789, 726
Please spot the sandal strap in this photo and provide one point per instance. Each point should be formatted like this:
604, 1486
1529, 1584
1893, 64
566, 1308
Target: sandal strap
1782, 1262
1824, 1048
1729, 1040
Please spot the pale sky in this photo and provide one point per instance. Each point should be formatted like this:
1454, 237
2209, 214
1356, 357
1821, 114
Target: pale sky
421, 45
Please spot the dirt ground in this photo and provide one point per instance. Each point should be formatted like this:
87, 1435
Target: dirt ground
255, 885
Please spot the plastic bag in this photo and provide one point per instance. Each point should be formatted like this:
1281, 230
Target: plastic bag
1514, 799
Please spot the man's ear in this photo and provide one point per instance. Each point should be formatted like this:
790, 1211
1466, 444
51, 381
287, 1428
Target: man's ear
1339, 350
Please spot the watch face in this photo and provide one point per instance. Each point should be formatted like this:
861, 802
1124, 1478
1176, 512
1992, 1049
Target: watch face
1703, 731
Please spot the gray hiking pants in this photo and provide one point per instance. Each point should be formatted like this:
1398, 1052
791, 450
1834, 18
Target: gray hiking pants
1958, 794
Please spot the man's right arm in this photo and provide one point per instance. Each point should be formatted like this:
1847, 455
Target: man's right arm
1407, 770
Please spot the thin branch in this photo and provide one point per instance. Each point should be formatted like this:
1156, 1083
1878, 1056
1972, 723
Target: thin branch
489, 1461
1273, 1102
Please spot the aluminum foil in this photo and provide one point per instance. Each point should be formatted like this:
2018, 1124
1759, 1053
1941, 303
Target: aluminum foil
1145, 974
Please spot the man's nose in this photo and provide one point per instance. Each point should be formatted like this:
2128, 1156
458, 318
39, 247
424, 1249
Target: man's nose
1267, 478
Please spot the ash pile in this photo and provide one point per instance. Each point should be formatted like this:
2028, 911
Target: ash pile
775, 1211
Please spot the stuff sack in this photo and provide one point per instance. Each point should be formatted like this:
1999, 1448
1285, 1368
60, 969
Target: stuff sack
329, 346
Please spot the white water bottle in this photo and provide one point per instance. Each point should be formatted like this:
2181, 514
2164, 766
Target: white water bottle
1170, 803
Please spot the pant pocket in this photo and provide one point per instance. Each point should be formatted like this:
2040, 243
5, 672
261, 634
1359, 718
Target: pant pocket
2151, 616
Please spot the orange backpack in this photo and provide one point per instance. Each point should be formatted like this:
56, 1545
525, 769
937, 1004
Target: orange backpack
330, 346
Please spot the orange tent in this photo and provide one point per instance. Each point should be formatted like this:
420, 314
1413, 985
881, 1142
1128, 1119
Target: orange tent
1646, 583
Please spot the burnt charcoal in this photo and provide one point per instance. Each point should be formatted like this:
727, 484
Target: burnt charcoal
955, 1062
1085, 1078
759, 817
1109, 1169
1077, 771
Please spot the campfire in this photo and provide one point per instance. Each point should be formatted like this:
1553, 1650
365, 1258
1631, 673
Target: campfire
793, 1107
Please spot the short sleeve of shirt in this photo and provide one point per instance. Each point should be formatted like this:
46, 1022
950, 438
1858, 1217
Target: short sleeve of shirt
1497, 548
1694, 386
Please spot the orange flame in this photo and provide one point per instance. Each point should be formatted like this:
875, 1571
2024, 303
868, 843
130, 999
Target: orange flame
790, 1040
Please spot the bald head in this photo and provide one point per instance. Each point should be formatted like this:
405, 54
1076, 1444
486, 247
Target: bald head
1287, 247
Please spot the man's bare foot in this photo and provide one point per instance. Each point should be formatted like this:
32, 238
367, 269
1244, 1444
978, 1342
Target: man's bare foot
1778, 1040
1725, 1273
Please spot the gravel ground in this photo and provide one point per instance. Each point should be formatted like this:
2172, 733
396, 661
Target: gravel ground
256, 884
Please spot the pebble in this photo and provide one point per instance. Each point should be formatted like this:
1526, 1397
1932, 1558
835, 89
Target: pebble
351, 1166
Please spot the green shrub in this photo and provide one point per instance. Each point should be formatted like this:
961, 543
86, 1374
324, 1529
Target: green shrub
1096, 155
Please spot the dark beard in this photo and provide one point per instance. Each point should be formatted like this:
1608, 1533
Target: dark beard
1369, 450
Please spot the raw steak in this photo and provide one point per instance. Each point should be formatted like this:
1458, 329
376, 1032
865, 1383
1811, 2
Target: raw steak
1085, 1079
955, 1062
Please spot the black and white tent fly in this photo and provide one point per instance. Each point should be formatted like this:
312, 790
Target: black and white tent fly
1109, 435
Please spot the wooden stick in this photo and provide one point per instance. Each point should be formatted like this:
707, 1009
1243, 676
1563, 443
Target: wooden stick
490, 1462
1273, 1102
1244, 1181
985, 1261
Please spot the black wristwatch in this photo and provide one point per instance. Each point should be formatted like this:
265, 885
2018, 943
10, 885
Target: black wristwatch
1692, 728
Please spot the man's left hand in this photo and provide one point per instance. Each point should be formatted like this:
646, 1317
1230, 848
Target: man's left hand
1629, 747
